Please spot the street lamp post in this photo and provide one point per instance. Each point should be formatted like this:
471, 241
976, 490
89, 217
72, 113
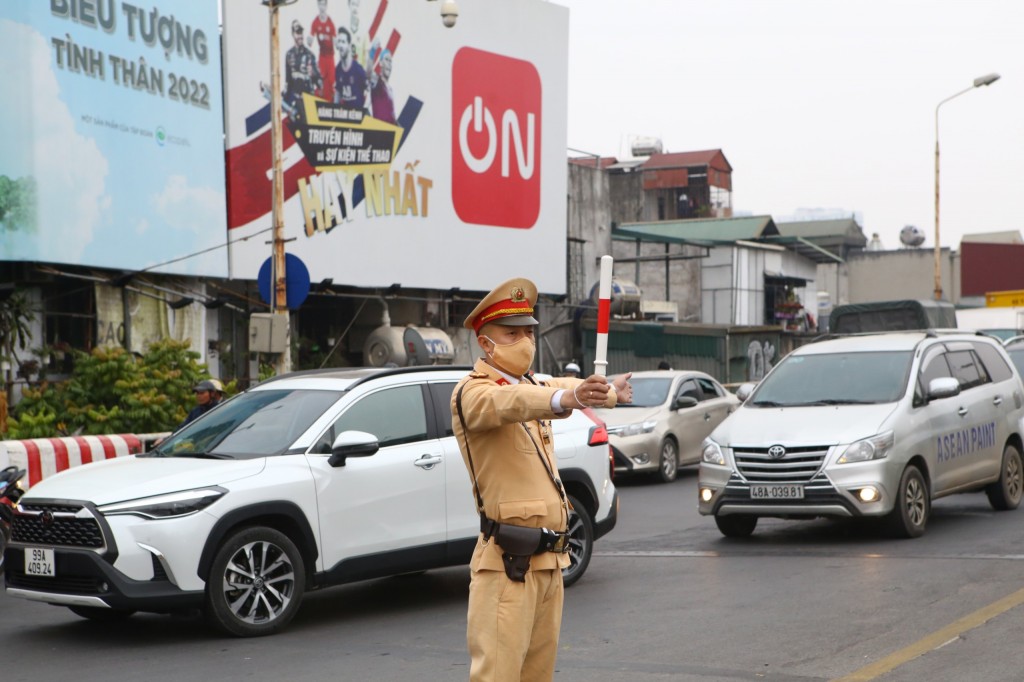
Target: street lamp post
978, 82
278, 287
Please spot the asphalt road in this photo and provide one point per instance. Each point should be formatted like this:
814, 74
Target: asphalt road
665, 598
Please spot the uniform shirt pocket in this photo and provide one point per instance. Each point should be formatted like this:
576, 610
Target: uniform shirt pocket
522, 509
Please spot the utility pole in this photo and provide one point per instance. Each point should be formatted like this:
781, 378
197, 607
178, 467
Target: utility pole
279, 293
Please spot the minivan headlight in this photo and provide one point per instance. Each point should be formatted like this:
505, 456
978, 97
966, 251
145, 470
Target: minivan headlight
875, 447
712, 453
166, 506
633, 429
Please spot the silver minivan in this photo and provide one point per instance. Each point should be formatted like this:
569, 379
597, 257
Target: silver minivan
874, 425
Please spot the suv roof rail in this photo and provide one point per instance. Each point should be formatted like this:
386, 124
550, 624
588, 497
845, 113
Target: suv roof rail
381, 372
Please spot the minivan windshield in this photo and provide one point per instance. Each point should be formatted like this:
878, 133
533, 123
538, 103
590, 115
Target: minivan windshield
250, 425
835, 379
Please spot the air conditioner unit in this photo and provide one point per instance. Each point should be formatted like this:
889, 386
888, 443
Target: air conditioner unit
662, 311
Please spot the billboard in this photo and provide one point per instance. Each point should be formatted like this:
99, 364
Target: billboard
112, 131
415, 154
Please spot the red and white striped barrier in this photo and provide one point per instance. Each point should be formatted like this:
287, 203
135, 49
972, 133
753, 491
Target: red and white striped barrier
43, 457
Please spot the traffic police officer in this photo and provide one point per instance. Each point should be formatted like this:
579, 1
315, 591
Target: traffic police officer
501, 418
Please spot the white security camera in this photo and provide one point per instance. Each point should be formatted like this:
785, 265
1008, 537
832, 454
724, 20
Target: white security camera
449, 12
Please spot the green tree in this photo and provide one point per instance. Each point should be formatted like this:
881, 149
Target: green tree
113, 391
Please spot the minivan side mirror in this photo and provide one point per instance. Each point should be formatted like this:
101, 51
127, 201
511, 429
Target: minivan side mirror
352, 444
744, 391
943, 387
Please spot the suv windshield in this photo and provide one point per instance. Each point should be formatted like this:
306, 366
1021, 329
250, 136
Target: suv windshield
835, 379
648, 391
250, 425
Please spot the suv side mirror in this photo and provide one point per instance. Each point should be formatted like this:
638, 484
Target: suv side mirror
684, 401
744, 391
943, 387
352, 444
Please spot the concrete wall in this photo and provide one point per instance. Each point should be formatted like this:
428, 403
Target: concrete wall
901, 274
590, 206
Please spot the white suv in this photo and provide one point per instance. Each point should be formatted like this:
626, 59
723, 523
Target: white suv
869, 426
304, 481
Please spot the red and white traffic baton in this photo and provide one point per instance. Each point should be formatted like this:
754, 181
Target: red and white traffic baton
604, 310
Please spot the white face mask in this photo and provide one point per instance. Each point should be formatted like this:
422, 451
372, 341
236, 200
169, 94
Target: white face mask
515, 358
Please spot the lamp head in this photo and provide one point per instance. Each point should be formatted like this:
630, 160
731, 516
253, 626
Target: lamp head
988, 79
450, 12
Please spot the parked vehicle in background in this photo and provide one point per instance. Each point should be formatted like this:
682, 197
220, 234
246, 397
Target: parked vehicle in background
662, 429
886, 316
304, 481
1014, 347
869, 426
1003, 323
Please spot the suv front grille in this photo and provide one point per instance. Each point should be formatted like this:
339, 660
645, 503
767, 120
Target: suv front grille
56, 525
799, 464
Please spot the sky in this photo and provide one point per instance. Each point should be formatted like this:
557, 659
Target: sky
822, 107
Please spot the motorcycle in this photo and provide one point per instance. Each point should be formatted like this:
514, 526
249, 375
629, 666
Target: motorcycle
10, 493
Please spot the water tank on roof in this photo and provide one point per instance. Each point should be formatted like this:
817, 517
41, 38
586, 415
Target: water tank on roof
384, 345
428, 346
911, 236
645, 146
625, 297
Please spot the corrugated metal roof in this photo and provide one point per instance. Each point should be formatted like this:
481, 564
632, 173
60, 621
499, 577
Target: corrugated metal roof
816, 229
709, 157
593, 161
697, 230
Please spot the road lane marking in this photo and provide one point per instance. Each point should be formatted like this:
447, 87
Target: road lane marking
935, 640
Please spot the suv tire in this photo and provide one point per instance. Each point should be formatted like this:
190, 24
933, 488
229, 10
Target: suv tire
909, 515
1005, 493
581, 542
265, 603
736, 525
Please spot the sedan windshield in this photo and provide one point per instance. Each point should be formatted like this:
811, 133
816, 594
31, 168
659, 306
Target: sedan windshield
649, 391
835, 379
251, 425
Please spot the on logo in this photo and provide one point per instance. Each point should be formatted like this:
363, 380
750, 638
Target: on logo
496, 115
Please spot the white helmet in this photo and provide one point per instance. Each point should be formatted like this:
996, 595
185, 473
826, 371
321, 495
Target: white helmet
572, 367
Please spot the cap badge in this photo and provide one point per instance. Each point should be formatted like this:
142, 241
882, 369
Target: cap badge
518, 295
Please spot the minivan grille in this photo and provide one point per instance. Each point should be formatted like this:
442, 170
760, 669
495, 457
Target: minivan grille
799, 464
55, 525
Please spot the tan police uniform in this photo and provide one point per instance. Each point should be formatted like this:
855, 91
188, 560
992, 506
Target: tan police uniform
513, 627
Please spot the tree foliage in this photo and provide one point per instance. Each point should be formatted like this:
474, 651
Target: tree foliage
18, 202
114, 391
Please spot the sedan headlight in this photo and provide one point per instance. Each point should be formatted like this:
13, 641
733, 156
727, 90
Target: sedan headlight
166, 506
633, 429
712, 453
875, 447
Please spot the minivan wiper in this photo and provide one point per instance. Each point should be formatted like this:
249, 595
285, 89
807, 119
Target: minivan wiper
840, 401
769, 403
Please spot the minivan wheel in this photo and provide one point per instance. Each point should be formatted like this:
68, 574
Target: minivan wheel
256, 582
736, 525
909, 516
1005, 493
668, 462
581, 542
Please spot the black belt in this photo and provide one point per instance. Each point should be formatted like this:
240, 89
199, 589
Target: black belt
520, 540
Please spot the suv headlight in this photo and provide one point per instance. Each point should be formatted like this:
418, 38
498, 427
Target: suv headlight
712, 453
875, 447
166, 506
633, 429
